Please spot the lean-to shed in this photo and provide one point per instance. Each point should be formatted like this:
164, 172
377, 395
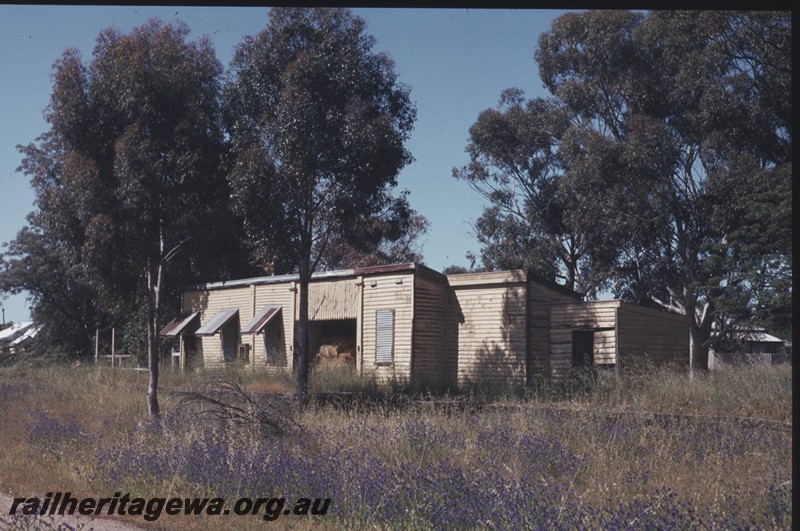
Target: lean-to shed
411, 324
610, 333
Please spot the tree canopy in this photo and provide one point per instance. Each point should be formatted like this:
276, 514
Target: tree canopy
127, 179
157, 172
317, 123
673, 136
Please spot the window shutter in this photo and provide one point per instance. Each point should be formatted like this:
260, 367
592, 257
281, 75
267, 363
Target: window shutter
384, 336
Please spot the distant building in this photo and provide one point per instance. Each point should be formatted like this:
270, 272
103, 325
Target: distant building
24, 341
11, 334
410, 324
748, 346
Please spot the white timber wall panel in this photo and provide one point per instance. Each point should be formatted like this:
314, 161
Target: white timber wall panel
541, 299
209, 302
492, 337
598, 316
660, 337
388, 292
278, 336
429, 331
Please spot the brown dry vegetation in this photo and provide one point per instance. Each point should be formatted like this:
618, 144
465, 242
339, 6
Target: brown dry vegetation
717, 442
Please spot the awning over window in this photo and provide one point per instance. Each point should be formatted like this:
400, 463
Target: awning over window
213, 325
260, 320
178, 325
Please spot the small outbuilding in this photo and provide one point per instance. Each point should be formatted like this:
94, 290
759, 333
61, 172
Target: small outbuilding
13, 336
410, 324
748, 347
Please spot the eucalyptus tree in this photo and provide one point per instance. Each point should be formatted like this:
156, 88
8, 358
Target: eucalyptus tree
529, 223
127, 177
57, 291
660, 167
693, 110
317, 123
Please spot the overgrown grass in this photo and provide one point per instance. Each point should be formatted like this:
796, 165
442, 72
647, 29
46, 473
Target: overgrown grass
756, 391
651, 449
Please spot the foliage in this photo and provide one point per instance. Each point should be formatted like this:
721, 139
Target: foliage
515, 163
127, 182
391, 238
317, 122
668, 160
63, 297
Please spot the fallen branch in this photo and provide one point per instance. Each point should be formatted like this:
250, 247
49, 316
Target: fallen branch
225, 400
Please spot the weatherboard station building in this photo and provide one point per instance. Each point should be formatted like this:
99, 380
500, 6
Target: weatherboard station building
411, 324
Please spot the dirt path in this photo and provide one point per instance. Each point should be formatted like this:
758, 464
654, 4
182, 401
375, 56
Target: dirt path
84, 523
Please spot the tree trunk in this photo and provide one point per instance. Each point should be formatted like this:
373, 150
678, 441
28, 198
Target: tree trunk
302, 343
698, 351
153, 314
700, 332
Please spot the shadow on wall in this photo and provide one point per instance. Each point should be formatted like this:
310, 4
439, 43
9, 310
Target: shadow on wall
454, 318
498, 363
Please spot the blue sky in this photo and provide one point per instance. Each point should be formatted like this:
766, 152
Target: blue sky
457, 62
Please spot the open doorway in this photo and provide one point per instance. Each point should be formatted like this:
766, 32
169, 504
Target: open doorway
230, 340
333, 343
582, 349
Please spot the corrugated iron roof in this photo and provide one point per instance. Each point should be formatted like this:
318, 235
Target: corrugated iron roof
323, 275
178, 325
29, 333
260, 320
14, 331
757, 337
390, 268
218, 321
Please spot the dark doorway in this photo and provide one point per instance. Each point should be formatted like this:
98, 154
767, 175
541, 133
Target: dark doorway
582, 348
230, 340
274, 343
333, 343
189, 351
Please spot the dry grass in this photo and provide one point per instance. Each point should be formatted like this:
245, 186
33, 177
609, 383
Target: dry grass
597, 450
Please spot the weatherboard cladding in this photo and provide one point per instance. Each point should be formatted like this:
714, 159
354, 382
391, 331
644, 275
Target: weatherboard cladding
501, 327
387, 292
542, 296
212, 302
660, 337
272, 349
430, 329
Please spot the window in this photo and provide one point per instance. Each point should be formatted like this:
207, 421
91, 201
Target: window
384, 336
